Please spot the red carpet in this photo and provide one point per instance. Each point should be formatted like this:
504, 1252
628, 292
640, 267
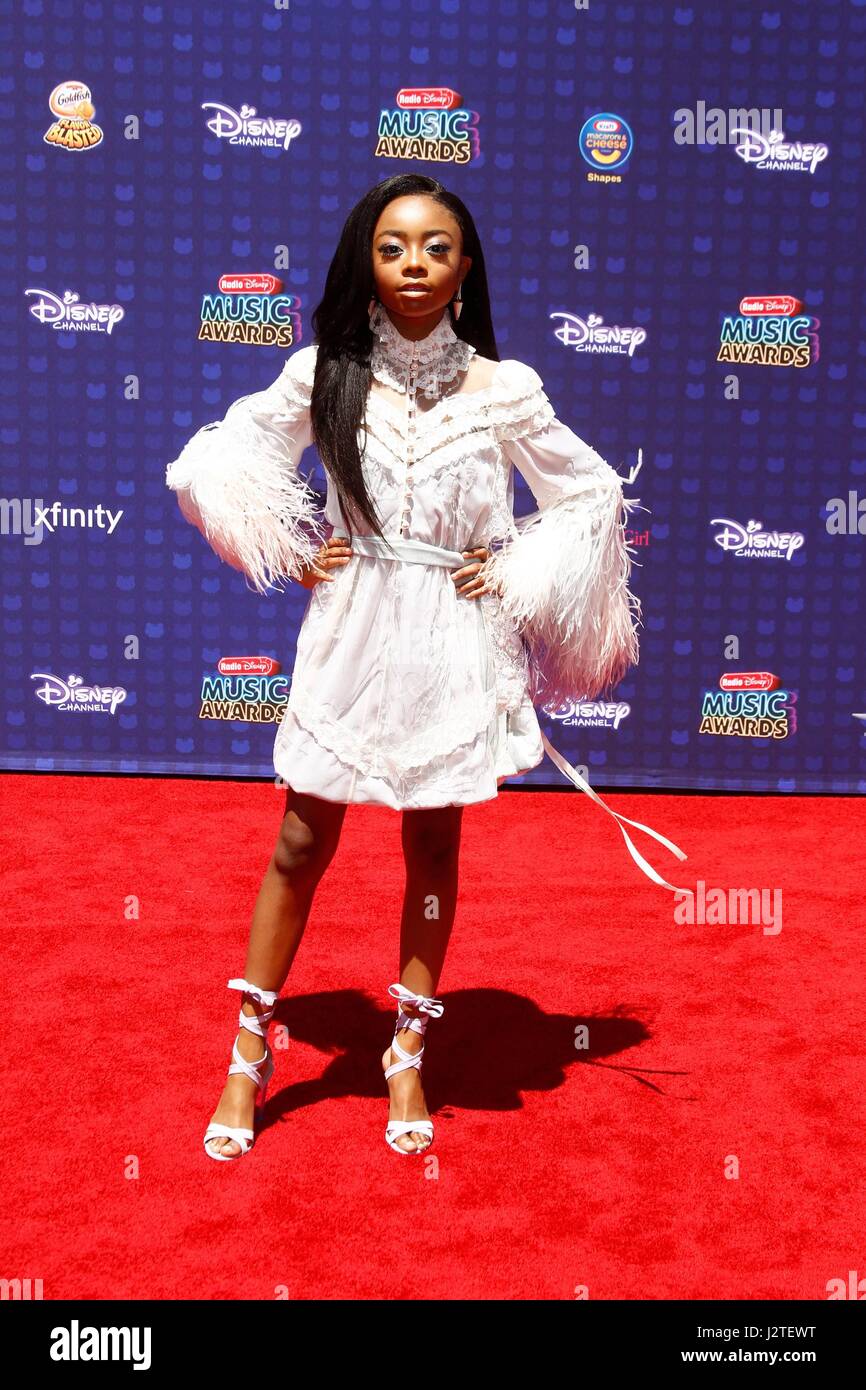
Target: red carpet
554, 1169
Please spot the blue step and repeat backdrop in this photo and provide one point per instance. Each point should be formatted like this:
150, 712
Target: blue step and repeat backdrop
670, 197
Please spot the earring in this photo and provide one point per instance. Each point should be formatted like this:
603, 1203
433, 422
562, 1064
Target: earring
457, 301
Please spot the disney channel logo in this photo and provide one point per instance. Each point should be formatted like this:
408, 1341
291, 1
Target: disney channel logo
68, 314
244, 127
589, 714
592, 334
752, 543
773, 151
72, 694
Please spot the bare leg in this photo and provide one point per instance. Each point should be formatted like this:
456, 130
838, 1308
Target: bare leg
431, 851
309, 835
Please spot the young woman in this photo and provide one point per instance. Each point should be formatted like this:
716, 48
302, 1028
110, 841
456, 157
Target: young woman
422, 648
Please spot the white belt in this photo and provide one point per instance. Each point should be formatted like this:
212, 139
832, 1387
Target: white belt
422, 552
404, 548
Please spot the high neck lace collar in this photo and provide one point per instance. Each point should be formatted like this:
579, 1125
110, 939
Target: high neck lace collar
438, 357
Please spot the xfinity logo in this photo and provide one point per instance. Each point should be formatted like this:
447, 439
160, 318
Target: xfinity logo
77, 516
28, 517
75, 1343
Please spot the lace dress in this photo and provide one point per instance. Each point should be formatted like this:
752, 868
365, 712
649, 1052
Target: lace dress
403, 693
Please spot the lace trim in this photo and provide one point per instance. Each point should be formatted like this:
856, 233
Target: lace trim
514, 404
296, 378
456, 480
440, 452
511, 405
501, 525
509, 655
439, 356
417, 751
518, 403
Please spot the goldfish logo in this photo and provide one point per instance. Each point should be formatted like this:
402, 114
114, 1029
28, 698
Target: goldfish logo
74, 128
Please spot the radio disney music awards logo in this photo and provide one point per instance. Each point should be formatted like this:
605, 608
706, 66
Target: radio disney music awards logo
773, 151
248, 688
589, 714
251, 309
73, 696
429, 123
749, 704
751, 543
244, 127
68, 314
74, 128
592, 334
770, 331
606, 142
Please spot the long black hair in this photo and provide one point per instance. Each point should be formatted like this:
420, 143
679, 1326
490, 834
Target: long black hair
341, 327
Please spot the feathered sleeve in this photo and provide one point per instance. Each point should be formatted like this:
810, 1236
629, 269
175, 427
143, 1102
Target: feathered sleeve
237, 479
563, 575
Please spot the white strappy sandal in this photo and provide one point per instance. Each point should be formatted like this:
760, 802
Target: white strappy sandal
259, 1071
432, 1008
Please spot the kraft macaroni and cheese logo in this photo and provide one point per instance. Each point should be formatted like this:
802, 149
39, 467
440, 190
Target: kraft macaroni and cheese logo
429, 123
770, 330
773, 151
74, 127
244, 127
752, 543
749, 704
251, 309
69, 314
589, 714
606, 142
74, 696
592, 334
247, 688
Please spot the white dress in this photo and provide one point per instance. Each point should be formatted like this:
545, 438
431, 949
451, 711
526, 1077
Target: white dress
403, 693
